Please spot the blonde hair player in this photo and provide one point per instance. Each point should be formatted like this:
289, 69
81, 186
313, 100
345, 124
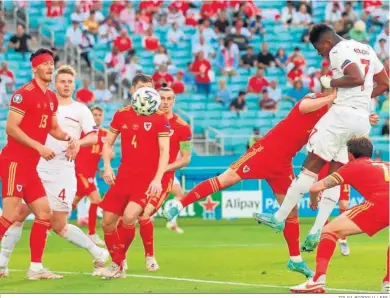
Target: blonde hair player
58, 174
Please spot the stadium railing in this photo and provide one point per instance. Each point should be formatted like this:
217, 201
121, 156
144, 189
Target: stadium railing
214, 137
44, 28
72, 54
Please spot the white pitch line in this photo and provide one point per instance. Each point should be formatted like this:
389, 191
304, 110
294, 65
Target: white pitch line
216, 282
186, 246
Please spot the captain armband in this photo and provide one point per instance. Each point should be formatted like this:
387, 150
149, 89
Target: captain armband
186, 146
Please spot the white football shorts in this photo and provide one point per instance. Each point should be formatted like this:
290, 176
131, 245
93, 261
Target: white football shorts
329, 137
60, 186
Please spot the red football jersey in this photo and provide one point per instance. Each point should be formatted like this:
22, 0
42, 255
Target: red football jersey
88, 158
139, 139
37, 109
293, 132
345, 190
180, 132
370, 178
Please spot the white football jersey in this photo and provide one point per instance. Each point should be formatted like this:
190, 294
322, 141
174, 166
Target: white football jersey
73, 119
342, 55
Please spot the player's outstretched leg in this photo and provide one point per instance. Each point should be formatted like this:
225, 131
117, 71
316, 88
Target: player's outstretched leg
386, 280
342, 226
202, 190
8, 244
299, 186
77, 237
328, 201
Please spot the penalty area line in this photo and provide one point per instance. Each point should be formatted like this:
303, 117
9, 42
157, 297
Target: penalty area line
203, 281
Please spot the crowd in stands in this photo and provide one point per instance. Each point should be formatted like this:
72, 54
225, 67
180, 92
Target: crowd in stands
220, 45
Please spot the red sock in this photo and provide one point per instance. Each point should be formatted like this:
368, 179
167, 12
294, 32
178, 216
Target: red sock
387, 267
291, 234
4, 225
341, 212
126, 235
38, 238
147, 235
74, 206
325, 251
92, 218
201, 191
114, 246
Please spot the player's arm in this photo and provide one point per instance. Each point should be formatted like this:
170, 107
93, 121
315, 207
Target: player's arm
163, 145
89, 140
107, 153
353, 77
308, 105
12, 129
184, 159
155, 187
344, 175
381, 84
56, 131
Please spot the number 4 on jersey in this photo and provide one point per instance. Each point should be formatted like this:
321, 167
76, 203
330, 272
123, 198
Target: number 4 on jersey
62, 194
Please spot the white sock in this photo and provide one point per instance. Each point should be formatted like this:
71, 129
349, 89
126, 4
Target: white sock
329, 200
8, 243
343, 241
179, 205
36, 266
82, 208
300, 185
76, 236
174, 221
296, 259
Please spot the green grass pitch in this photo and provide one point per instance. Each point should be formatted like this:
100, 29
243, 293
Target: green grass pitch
236, 256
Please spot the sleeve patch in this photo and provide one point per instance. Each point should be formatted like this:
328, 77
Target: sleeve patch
346, 63
17, 98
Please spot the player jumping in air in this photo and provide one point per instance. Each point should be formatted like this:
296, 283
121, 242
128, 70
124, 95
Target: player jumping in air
58, 174
145, 155
32, 116
288, 136
356, 70
371, 179
87, 162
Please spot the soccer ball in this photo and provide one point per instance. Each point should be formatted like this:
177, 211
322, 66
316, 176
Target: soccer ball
145, 101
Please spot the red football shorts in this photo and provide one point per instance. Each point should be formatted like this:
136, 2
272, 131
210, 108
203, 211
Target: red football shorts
85, 185
21, 181
126, 189
167, 183
369, 217
260, 163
